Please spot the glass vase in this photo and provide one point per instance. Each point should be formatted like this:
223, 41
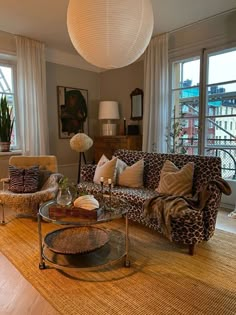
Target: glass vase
64, 197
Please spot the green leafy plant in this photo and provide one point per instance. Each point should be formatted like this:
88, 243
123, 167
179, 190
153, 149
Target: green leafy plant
174, 137
6, 121
65, 184
177, 139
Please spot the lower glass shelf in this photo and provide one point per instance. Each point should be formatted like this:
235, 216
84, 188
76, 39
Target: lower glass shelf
113, 251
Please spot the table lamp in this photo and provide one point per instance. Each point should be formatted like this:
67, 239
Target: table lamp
108, 111
80, 142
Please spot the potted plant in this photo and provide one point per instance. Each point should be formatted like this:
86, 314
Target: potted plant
6, 125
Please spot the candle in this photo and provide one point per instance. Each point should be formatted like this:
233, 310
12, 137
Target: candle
124, 126
109, 181
101, 179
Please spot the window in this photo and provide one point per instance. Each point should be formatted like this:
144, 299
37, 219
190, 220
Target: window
7, 88
185, 95
211, 102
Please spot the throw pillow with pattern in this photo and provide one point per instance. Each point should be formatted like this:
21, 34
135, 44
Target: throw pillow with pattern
130, 176
16, 175
105, 168
175, 181
23, 180
31, 179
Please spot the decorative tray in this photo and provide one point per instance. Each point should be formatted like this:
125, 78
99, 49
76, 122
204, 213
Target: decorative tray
76, 240
57, 211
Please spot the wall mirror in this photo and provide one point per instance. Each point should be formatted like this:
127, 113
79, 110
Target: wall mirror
136, 104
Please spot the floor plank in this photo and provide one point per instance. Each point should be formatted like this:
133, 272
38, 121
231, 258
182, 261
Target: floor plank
18, 296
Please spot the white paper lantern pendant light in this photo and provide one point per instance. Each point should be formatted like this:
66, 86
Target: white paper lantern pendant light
110, 33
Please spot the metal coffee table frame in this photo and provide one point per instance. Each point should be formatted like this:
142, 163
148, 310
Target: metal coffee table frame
72, 222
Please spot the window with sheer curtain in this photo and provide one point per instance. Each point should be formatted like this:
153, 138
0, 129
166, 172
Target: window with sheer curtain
203, 106
8, 89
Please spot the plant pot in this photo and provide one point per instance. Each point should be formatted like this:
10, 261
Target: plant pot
5, 146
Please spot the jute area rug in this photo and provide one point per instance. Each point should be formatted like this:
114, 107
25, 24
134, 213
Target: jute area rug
162, 279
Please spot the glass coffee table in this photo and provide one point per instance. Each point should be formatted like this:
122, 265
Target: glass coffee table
81, 241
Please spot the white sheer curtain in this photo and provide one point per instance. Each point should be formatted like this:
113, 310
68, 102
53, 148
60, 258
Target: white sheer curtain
155, 118
31, 79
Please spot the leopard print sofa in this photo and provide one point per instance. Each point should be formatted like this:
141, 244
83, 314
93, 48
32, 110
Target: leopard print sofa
190, 229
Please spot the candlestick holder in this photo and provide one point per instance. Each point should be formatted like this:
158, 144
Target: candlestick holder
102, 193
110, 195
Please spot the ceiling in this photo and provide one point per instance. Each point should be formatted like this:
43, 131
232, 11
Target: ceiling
45, 20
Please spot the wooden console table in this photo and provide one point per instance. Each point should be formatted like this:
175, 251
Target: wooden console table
108, 144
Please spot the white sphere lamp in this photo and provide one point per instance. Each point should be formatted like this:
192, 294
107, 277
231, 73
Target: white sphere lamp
110, 33
80, 142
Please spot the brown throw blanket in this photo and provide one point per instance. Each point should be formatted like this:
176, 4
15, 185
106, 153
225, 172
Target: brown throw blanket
164, 207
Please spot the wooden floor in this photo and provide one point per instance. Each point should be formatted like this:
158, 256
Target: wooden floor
18, 297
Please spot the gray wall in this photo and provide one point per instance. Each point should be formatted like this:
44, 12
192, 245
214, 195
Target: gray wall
70, 77
109, 85
117, 84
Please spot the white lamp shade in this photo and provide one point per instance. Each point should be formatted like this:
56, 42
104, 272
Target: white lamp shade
110, 33
81, 142
108, 110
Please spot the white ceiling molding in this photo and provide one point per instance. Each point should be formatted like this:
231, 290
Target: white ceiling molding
7, 43
70, 60
209, 33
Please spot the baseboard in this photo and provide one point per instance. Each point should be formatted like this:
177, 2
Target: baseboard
227, 206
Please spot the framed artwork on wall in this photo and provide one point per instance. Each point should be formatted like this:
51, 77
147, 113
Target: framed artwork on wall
72, 111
